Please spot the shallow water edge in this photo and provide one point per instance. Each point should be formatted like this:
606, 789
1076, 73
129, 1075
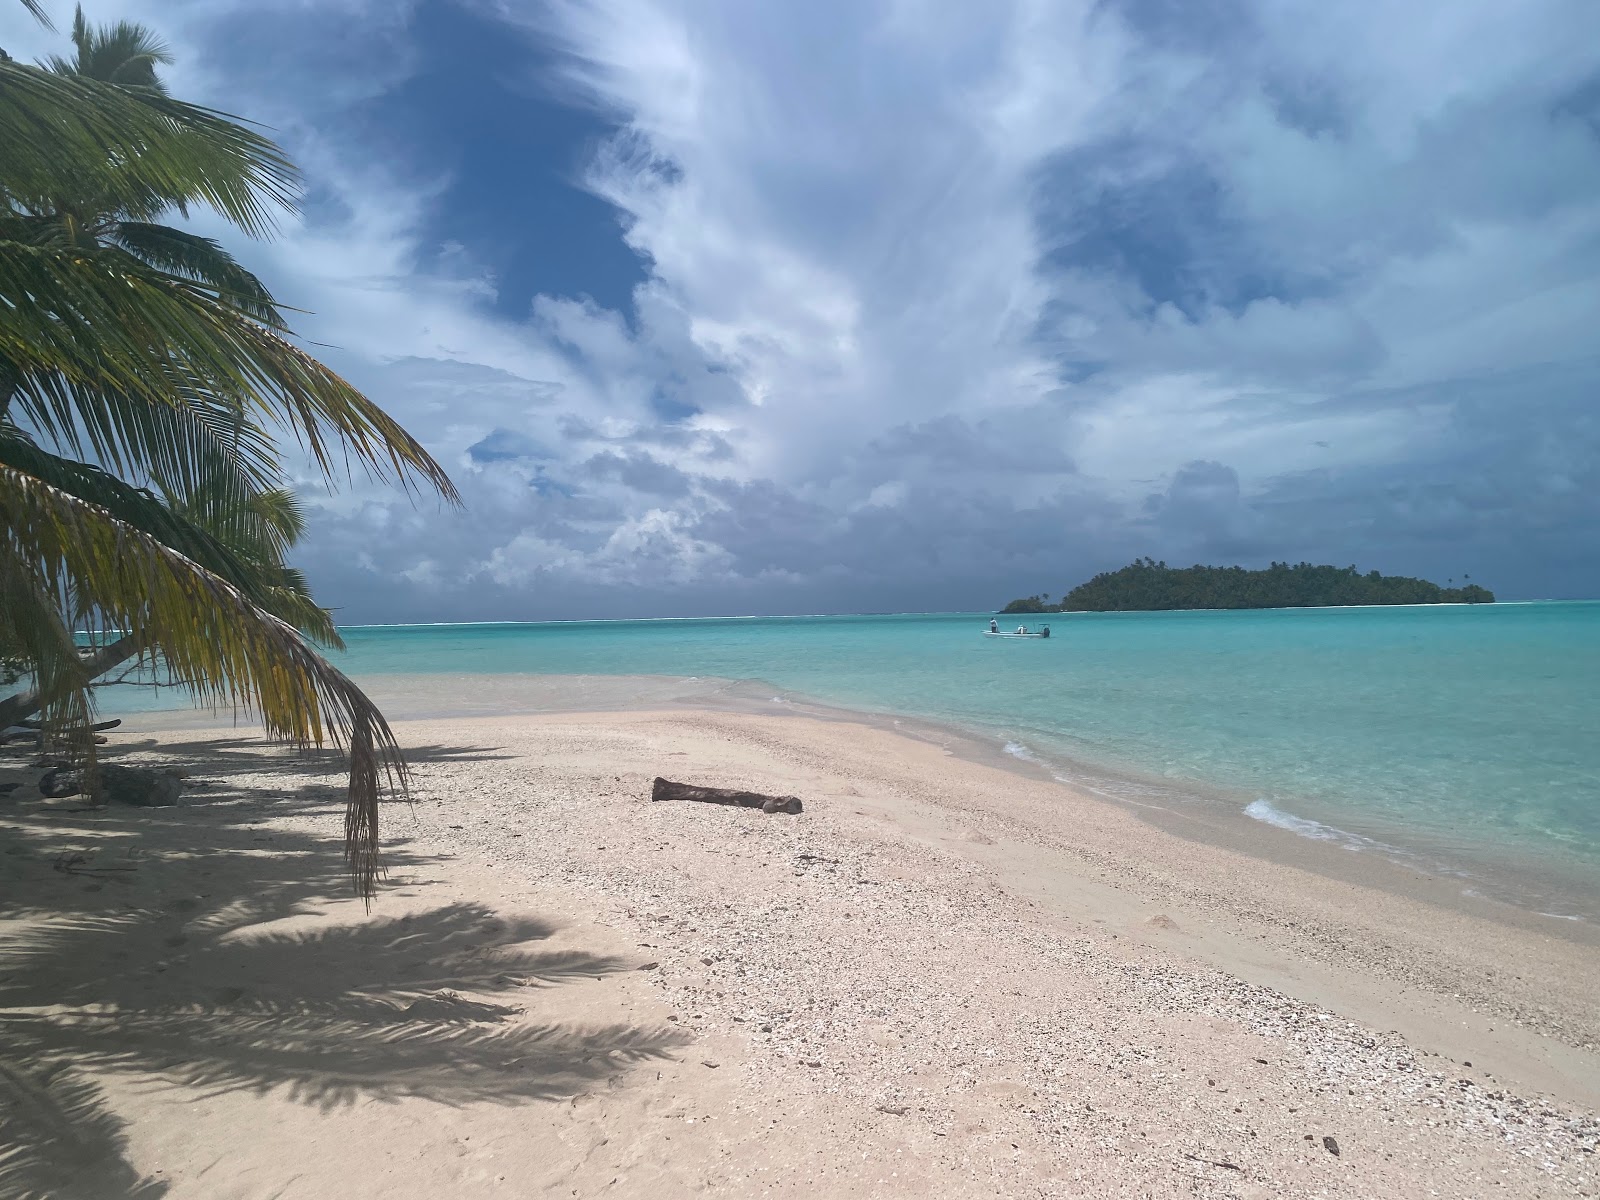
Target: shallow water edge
1528, 893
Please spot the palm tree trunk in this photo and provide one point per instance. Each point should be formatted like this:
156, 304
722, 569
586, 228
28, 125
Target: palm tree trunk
14, 709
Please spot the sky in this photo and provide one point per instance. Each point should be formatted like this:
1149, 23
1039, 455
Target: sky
903, 305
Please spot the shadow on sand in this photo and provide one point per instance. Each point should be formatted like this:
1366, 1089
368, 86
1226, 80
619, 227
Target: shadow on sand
132, 941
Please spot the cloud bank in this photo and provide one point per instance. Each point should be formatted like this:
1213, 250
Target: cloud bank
909, 305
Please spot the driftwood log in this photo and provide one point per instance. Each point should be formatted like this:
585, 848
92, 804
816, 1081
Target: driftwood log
108, 781
97, 726
665, 789
30, 731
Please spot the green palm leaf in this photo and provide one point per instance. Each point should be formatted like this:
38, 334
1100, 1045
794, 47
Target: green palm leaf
127, 145
39, 15
126, 53
36, 633
106, 322
201, 259
225, 648
137, 507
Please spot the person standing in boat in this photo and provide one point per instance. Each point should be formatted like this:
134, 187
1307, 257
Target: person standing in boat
994, 626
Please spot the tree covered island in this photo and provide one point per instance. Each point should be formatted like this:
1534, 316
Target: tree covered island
1147, 585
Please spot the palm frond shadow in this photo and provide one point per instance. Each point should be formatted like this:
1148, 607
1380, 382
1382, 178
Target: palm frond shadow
58, 1138
227, 759
219, 992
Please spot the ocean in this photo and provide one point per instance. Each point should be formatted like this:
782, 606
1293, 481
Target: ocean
1462, 738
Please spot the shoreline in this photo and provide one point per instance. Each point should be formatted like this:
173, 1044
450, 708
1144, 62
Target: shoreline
1514, 882
945, 977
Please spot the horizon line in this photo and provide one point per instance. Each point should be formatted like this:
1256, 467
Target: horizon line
954, 612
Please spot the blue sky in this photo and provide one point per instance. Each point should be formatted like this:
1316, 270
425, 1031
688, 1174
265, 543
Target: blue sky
866, 305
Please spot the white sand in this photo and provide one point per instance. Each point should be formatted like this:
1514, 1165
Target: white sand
942, 978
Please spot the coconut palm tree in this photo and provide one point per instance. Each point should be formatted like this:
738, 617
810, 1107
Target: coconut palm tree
126, 54
153, 353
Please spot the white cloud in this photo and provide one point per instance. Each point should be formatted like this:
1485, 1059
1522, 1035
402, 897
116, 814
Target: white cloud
963, 299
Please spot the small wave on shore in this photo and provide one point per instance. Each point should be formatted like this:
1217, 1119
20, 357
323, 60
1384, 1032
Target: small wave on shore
1018, 750
1265, 811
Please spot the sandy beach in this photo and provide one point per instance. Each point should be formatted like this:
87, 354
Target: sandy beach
945, 977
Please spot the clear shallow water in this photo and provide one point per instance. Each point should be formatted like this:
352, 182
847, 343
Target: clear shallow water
1466, 732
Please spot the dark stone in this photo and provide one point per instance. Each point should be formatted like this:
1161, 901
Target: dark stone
1333, 1146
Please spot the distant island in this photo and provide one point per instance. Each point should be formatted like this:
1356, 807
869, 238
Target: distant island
1147, 585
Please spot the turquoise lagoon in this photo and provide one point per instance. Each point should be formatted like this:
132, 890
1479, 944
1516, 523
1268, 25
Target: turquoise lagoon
1461, 734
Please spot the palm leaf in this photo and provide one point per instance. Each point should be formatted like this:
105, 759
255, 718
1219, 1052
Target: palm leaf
201, 259
106, 322
126, 54
291, 600
128, 145
39, 15
134, 506
261, 529
180, 447
33, 630
226, 649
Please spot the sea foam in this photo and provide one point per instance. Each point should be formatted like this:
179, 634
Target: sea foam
1265, 810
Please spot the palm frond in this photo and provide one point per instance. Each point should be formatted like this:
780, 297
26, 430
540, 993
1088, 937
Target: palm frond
36, 10
265, 526
31, 627
226, 648
192, 441
126, 145
201, 259
262, 529
125, 53
280, 513
107, 322
291, 600
137, 507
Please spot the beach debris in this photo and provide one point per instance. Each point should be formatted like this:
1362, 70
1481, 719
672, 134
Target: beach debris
1213, 1162
108, 781
31, 731
1332, 1146
894, 1110
448, 1006
81, 863
666, 789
